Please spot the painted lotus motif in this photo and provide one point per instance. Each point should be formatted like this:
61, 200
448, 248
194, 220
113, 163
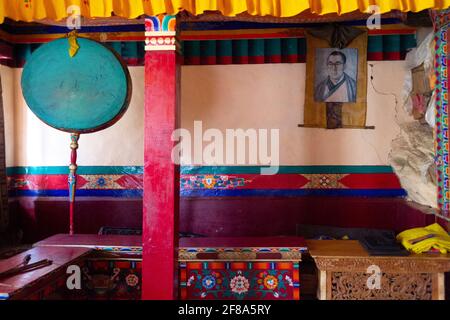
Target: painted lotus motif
209, 182
209, 282
132, 280
270, 282
239, 284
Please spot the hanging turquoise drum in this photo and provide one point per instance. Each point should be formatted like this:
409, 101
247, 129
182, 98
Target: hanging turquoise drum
78, 86
80, 94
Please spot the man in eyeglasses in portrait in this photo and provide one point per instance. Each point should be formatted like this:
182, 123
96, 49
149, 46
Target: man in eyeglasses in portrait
338, 86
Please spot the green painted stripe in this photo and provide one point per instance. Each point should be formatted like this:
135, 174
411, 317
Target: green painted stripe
301, 46
256, 48
286, 46
81, 170
375, 44
286, 169
240, 48
208, 48
201, 170
408, 42
272, 47
289, 46
191, 48
224, 48
391, 43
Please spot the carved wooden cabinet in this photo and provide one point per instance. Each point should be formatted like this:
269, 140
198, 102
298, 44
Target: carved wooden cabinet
347, 272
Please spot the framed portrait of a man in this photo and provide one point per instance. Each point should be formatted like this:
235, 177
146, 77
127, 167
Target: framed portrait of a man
336, 74
336, 86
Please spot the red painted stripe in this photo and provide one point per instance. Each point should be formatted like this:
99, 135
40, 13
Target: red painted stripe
131, 61
130, 181
290, 58
284, 34
256, 59
123, 264
261, 265
184, 294
296, 293
250, 181
392, 56
210, 60
42, 182
183, 276
60, 182
284, 266
224, 60
296, 275
194, 266
44, 39
371, 181
293, 58
391, 31
216, 265
240, 59
191, 60
238, 266
276, 58
375, 56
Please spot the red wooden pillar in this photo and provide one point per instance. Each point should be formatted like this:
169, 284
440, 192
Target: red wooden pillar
161, 175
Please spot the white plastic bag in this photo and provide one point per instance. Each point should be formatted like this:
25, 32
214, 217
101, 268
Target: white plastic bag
430, 115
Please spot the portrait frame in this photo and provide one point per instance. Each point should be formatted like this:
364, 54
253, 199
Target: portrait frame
353, 114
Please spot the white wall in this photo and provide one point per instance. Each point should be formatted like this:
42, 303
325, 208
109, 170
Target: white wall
8, 88
40, 145
232, 96
272, 96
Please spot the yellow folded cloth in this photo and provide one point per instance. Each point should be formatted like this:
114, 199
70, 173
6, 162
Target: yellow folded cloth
419, 240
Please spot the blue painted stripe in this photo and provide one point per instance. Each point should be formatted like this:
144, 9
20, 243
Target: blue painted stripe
188, 26
48, 29
236, 25
218, 193
294, 192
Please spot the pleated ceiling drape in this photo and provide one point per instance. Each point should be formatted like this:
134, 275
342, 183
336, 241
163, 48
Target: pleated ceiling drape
32, 10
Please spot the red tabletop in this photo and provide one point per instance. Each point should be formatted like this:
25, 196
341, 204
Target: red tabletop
60, 257
92, 241
95, 241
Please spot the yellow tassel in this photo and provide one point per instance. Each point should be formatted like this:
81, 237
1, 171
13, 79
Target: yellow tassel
73, 49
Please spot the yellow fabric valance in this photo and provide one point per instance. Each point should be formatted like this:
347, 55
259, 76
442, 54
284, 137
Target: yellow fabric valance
32, 10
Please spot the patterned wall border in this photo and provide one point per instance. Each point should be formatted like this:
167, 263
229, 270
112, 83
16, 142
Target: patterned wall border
204, 43
442, 132
291, 181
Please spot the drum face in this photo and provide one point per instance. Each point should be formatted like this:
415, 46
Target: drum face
86, 93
